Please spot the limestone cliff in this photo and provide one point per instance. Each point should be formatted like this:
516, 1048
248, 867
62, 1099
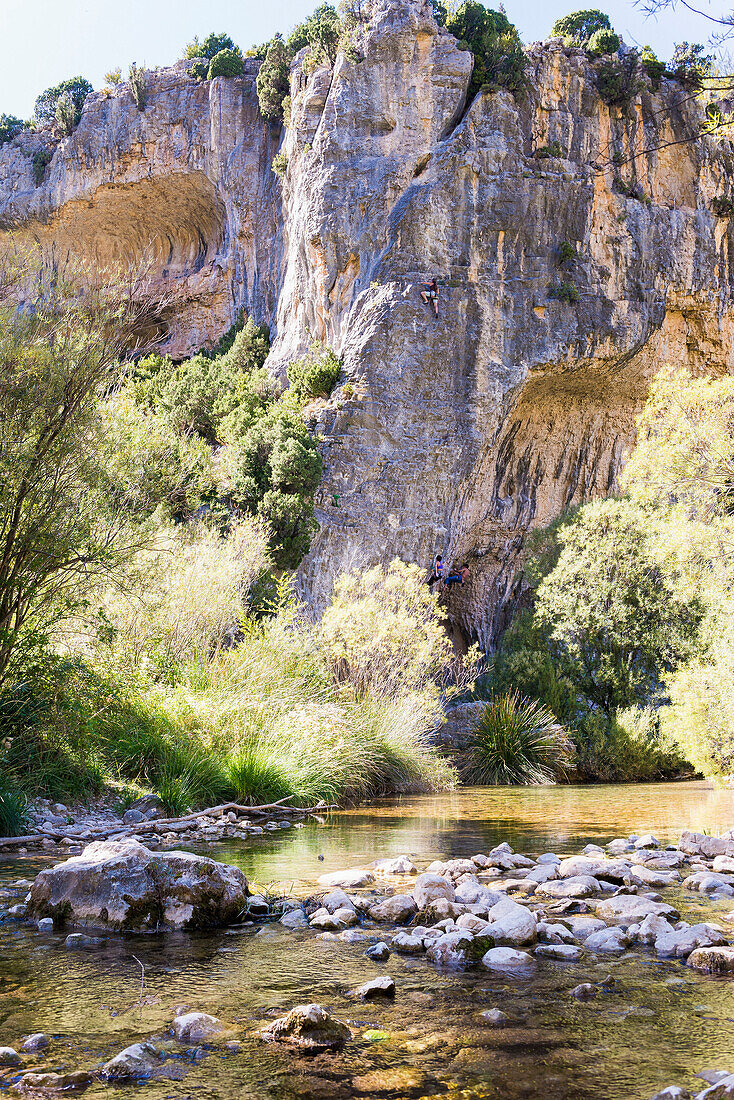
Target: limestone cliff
457, 434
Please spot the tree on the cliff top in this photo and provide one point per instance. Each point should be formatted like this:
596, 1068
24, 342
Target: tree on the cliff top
10, 127
321, 31
578, 27
273, 80
57, 535
210, 47
499, 59
76, 87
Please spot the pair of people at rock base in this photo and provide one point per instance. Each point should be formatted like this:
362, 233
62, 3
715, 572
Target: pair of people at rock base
441, 575
430, 295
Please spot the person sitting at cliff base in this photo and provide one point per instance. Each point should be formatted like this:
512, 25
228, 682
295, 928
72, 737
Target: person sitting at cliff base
430, 295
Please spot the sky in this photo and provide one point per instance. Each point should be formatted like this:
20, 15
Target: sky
46, 41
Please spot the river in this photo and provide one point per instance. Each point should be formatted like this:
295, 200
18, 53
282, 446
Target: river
656, 1023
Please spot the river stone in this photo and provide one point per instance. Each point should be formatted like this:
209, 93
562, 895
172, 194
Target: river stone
652, 928
337, 899
681, 942
294, 919
698, 844
585, 991
714, 960
564, 952
133, 817
476, 895
649, 876
672, 1092
400, 865
378, 987
707, 882
544, 873
450, 950
138, 1060
77, 941
55, 1082
582, 926
647, 841
379, 951
350, 880
608, 940
196, 1027
406, 943
724, 865
494, 1017
511, 923
398, 908
554, 933
612, 870
580, 886
9, 1057
45, 925
346, 916
721, 1090
507, 959
124, 886
627, 909
429, 888
34, 1043
310, 1027
549, 858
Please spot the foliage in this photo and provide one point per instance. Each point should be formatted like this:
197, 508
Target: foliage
321, 31
722, 206
578, 27
566, 251
114, 77
280, 164
602, 42
10, 127
517, 741
138, 85
13, 818
631, 189
225, 63
316, 374
40, 162
76, 87
690, 65
618, 79
553, 151
499, 59
200, 69
273, 80
652, 66
57, 534
210, 47
67, 115
564, 292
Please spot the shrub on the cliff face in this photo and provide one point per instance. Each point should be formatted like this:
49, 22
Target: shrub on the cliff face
10, 127
273, 80
209, 47
76, 87
67, 114
652, 66
499, 59
40, 162
618, 79
690, 65
603, 42
136, 76
225, 63
578, 27
517, 741
316, 374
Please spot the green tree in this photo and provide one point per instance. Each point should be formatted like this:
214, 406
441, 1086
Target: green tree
321, 31
578, 27
10, 127
316, 374
499, 59
57, 537
225, 63
603, 42
273, 80
614, 619
210, 47
76, 87
689, 64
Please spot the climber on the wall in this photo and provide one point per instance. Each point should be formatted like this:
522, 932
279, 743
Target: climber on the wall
436, 574
430, 295
458, 576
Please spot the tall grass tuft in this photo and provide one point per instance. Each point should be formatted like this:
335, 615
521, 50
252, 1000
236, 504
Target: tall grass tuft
13, 819
517, 741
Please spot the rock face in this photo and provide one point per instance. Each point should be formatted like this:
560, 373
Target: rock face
460, 433
121, 885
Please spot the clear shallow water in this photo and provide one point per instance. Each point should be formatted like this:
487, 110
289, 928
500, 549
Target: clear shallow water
647, 1031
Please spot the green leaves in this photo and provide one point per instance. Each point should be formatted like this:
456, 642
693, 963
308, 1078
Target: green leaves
499, 59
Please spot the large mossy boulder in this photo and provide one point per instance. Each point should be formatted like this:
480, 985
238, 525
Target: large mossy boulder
123, 886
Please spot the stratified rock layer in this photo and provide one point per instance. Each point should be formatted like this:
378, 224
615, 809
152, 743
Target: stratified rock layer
456, 434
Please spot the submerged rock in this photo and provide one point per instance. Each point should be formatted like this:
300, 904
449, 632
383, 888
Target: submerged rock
378, 987
350, 880
36, 1042
627, 909
138, 1060
196, 1027
9, 1057
585, 991
310, 1027
400, 865
55, 1082
379, 951
494, 1017
505, 958
714, 960
124, 886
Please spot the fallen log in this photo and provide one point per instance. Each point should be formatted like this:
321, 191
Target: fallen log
156, 825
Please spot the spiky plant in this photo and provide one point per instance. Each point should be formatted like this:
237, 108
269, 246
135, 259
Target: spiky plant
13, 820
517, 741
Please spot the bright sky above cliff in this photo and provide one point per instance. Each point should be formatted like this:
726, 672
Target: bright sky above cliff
47, 41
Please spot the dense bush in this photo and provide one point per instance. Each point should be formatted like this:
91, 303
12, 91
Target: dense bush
316, 374
10, 127
579, 27
321, 31
564, 292
210, 47
517, 741
603, 42
499, 59
652, 67
225, 63
67, 115
618, 79
690, 65
76, 87
273, 79
138, 85
280, 164
40, 162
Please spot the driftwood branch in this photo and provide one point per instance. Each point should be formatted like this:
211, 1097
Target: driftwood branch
161, 824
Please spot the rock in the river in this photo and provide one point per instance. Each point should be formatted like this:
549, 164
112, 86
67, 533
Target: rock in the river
507, 959
379, 952
196, 1027
336, 899
138, 1060
564, 952
429, 888
511, 923
9, 1057
714, 960
294, 918
34, 1043
627, 909
378, 987
405, 943
124, 886
585, 991
55, 1082
673, 1092
350, 880
450, 950
721, 1090
397, 909
579, 886
494, 1017
679, 943
611, 941
400, 865
310, 1027
699, 844
77, 941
